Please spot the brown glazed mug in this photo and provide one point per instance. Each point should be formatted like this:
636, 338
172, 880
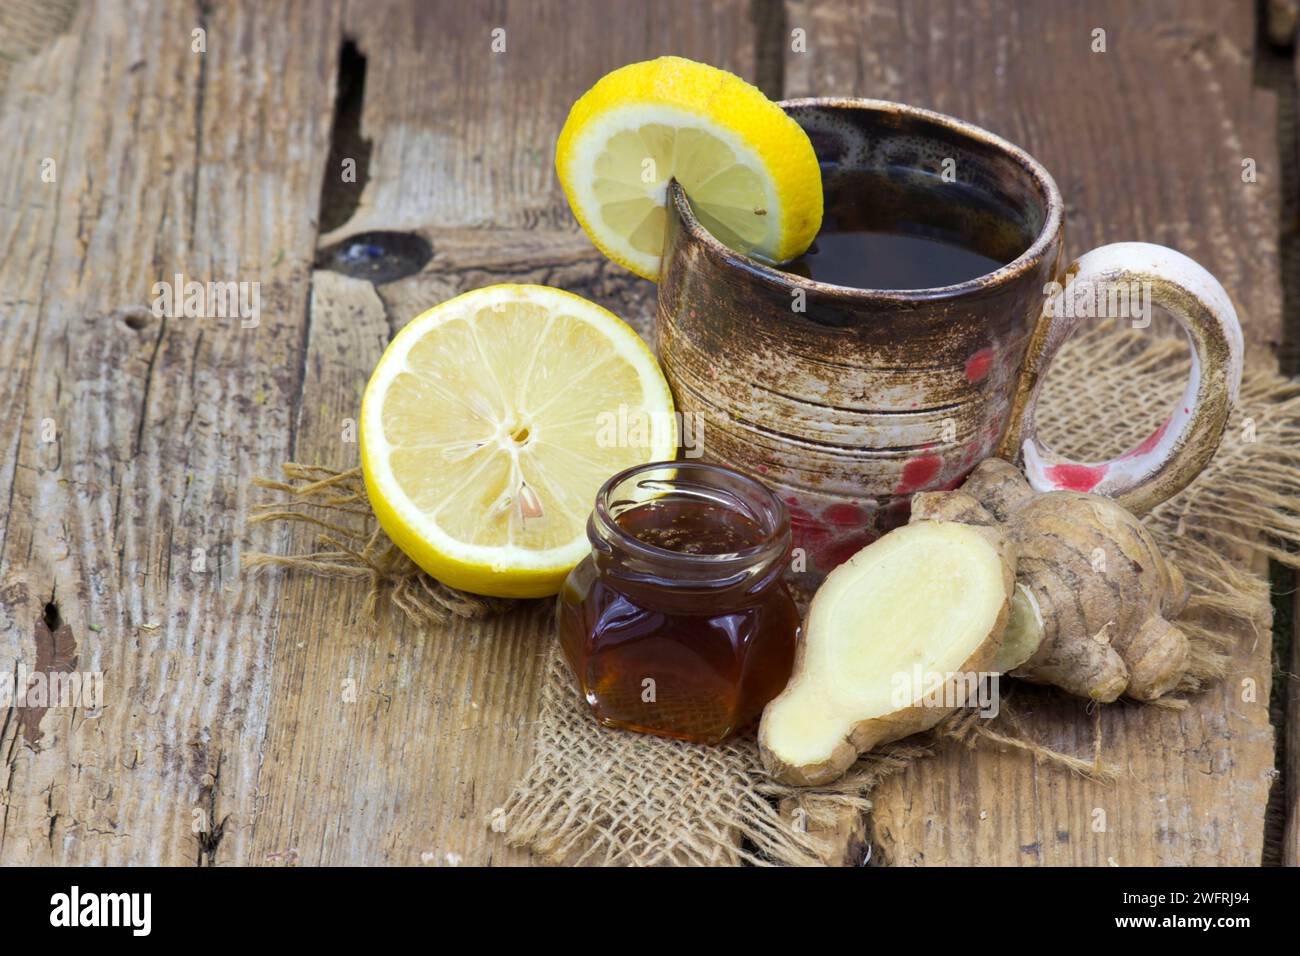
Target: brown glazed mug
846, 401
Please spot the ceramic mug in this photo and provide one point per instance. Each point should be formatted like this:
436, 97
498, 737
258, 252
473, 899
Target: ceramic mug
846, 401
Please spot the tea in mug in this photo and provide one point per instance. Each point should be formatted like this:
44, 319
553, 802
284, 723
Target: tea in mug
904, 230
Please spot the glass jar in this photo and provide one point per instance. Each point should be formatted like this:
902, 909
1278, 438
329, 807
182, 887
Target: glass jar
680, 623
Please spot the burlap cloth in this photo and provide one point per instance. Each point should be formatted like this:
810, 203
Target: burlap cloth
597, 796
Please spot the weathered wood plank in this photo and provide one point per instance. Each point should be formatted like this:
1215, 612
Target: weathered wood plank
27, 26
461, 137
1291, 758
237, 701
167, 161
1147, 141
464, 102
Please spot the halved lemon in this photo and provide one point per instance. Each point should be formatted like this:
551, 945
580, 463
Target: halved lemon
748, 168
490, 423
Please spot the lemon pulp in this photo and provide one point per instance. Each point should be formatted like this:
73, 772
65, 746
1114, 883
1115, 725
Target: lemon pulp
489, 425
748, 168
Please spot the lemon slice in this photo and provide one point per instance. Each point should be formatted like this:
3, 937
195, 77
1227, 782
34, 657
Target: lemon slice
748, 168
490, 423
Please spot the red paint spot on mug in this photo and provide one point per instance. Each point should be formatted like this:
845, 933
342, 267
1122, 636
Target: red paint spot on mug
917, 473
978, 365
1077, 477
808, 533
840, 551
1148, 443
846, 514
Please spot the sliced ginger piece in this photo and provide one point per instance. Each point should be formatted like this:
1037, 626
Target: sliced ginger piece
1095, 595
931, 598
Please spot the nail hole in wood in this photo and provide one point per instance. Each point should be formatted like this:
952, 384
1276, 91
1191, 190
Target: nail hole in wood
136, 318
52, 616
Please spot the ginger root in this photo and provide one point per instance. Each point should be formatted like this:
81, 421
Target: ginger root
1059, 588
890, 640
1095, 596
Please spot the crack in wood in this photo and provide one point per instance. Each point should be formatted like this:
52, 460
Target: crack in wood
210, 835
339, 198
143, 415
53, 814
337, 203
304, 346
200, 95
1276, 70
771, 29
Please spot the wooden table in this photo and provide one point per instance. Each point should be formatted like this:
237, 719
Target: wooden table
254, 720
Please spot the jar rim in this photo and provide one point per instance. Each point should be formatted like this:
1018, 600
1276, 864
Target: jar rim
767, 510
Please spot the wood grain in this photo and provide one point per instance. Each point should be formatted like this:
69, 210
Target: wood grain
27, 26
1291, 714
441, 724
1146, 141
465, 136
261, 706
167, 161
266, 708
1291, 757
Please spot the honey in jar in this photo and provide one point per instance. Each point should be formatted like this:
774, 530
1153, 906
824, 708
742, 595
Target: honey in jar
679, 622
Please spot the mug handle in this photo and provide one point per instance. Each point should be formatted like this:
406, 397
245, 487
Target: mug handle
1174, 454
